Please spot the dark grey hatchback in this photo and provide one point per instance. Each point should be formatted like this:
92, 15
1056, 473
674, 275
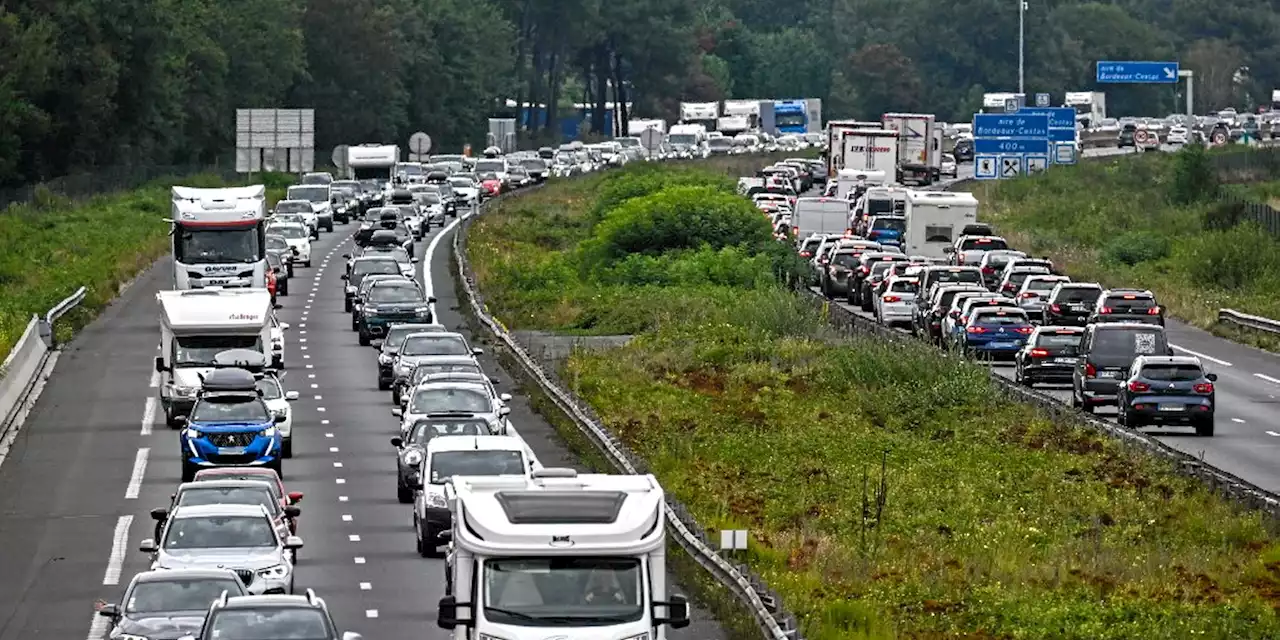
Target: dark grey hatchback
1168, 390
1106, 353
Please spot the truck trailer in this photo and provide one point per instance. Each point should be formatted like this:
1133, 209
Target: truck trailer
918, 147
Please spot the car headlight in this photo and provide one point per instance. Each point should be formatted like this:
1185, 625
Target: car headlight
275, 571
269, 432
129, 636
436, 500
185, 391
384, 359
422, 310
191, 434
413, 457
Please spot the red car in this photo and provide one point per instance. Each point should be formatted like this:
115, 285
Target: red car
491, 184
261, 474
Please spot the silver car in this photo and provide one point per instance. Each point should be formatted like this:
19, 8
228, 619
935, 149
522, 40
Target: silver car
239, 537
423, 347
452, 398
1035, 293
469, 377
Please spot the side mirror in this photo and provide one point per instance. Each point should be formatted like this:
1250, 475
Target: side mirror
397, 443
109, 611
495, 381
345, 277
347, 256
277, 306
445, 536
293, 542
477, 351
351, 635
279, 419
148, 546
291, 395
430, 299
1212, 377
397, 413
505, 397
447, 613
295, 497
415, 261
159, 515
404, 400
284, 326
948, 250
292, 511
677, 612
160, 368
504, 411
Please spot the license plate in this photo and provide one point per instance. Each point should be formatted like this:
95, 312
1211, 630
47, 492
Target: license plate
1065, 360
1108, 374
217, 282
230, 451
1001, 345
1077, 307
1169, 407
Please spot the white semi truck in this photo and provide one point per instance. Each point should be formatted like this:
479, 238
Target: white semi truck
372, 161
835, 130
867, 150
1090, 106
558, 555
219, 237
919, 148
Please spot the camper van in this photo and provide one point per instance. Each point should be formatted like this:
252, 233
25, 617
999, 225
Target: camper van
934, 219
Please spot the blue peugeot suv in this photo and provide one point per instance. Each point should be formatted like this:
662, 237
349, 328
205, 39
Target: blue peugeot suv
230, 425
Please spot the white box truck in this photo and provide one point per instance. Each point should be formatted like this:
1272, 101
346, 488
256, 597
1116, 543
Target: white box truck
916, 146
835, 130
1090, 107
867, 150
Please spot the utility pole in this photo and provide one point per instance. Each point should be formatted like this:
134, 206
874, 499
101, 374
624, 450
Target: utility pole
1022, 47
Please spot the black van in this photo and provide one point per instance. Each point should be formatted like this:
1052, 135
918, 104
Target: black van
1106, 353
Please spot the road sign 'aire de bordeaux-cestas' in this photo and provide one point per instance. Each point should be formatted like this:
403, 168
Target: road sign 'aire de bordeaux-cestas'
1010, 125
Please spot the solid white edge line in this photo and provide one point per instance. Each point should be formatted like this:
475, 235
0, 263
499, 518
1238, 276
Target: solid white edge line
119, 546
155, 379
139, 471
1202, 356
1267, 378
148, 416
427, 284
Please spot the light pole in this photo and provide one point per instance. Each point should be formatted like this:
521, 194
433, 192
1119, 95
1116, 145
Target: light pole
1022, 46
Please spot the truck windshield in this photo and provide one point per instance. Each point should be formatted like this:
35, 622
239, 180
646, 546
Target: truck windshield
563, 591
491, 166
199, 351
310, 193
790, 120
683, 138
218, 245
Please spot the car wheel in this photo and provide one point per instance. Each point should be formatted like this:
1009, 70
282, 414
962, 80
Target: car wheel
346, 305
395, 395
404, 494
278, 467
286, 448
364, 338
1205, 427
306, 263
383, 385
329, 227
355, 324
173, 421
290, 268
284, 289
188, 471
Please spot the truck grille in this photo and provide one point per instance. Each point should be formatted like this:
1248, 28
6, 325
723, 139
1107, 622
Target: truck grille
239, 439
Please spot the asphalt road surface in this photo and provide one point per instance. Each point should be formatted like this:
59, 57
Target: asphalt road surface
95, 457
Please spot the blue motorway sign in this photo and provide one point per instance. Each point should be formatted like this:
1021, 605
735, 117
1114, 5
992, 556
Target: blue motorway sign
987, 146
1062, 135
1137, 72
1011, 125
1059, 117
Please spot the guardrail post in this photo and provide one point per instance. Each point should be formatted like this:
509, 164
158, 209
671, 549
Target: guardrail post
46, 324
45, 329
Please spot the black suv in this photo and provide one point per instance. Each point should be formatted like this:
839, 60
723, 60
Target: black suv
1106, 353
1071, 303
275, 616
1049, 355
1127, 305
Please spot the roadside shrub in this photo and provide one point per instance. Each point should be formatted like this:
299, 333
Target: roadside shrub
728, 266
1231, 259
1136, 246
679, 218
1224, 215
642, 179
1194, 178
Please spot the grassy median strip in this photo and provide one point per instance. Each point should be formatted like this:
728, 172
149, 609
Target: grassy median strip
53, 247
889, 491
1152, 221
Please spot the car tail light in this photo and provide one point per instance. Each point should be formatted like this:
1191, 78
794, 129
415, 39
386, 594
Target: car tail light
1008, 286
806, 254
986, 271
891, 299
1203, 387
1090, 370
975, 330
1055, 308
964, 319
864, 270
1025, 330
1028, 295
1104, 310
1039, 353
1139, 387
1153, 311
823, 261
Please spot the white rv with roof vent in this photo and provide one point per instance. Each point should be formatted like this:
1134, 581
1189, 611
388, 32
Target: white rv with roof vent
219, 237
372, 161
197, 325
559, 555
934, 220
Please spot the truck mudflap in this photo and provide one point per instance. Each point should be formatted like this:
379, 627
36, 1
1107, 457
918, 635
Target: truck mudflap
920, 174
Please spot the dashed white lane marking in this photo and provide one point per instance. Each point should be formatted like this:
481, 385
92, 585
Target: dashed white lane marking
306, 306
346, 517
1272, 433
306, 356
139, 471
366, 586
155, 378
337, 465
354, 538
328, 435
315, 386
319, 398
97, 628
319, 408
1202, 356
119, 547
324, 422
343, 498
303, 348
370, 613
301, 340
333, 449
1267, 378
302, 325
1237, 420
311, 376
339, 480
302, 332
148, 416
359, 560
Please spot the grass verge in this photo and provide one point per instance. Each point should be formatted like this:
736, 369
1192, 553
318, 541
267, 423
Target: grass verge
53, 247
1152, 221
890, 492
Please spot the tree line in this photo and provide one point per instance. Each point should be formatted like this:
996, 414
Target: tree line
98, 83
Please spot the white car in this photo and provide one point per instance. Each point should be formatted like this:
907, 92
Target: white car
466, 188
277, 341
277, 401
1177, 135
297, 237
948, 166
898, 302
301, 208
454, 398
239, 537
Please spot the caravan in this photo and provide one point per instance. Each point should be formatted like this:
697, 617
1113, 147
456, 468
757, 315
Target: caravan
934, 219
219, 237
561, 555
198, 325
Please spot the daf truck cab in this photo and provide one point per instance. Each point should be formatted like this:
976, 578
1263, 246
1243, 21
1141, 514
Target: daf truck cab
196, 326
219, 237
934, 219
559, 555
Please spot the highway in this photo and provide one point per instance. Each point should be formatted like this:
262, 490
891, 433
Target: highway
95, 457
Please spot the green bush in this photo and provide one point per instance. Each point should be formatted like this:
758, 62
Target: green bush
642, 179
1194, 178
1134, 247
682, 217
1231, 259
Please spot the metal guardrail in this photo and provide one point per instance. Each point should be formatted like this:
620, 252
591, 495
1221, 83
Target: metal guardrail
764, 605
1240, 319
1233, 488
28, 362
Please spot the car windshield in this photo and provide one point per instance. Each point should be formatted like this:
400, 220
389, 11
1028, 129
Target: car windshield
202, 245
264, 623
235, 409
999, 260
195, 594
1172, 372
462, 183
429, 197
889, 224
409, 169
396, 335
1078, 295
288, 231
424, 430
230, 473
293, 206
202, 496
276, 243
1017, 278
983, 244
450, 399
373, 267
1000, 318
199, 351
446, 464
445, 345
1129, 342
961, 276
395, 253
220, 532
395, 293
491, 166
421, 372
309, 193
534, 164
270, 389
1067, 340
562, 589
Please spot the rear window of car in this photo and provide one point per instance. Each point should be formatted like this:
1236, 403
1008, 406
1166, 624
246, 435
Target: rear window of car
961, 276
983, 244
1129, 301
1077, 295
904, 286
1042, 285
1059, 340
1172, 372
1130, 341
845, 260
1005, 317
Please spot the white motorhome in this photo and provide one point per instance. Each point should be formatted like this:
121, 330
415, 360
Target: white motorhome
559, 555
1090, 107
704, 113
691, 136
999, 102
934, 220
733, 125
917, 153
372, 161
637, 126
850, 181
867, 150
219, 237
195, 326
